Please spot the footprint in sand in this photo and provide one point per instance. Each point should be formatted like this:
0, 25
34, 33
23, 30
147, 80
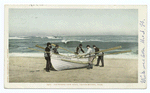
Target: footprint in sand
37, 70
31, 71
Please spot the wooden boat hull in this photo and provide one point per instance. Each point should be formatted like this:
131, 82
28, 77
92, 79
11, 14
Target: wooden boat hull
59, 63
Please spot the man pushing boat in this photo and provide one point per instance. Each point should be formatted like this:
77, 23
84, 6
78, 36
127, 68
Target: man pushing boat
90, 57
78, 49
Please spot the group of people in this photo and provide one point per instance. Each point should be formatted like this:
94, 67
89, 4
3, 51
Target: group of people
78, 49
91, 57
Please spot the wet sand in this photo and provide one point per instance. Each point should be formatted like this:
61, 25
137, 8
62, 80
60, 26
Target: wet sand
31, 70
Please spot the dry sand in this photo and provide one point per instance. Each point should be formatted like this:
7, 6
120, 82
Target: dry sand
31, 70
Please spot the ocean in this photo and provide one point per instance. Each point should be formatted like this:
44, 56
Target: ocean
18, 46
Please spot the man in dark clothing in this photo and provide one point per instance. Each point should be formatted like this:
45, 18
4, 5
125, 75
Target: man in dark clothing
78, 49
48, 57
100, 56
55, 49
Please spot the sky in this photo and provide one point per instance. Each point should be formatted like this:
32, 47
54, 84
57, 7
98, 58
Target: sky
58, 22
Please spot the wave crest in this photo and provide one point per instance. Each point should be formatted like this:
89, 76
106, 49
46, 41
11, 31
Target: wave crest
18, 38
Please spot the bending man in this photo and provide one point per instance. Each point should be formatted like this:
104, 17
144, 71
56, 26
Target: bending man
55, 49
78, 49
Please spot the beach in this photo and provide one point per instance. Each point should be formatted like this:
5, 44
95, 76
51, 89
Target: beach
31, 70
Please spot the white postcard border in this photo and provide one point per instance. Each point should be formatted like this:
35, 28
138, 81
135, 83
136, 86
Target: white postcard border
142, 49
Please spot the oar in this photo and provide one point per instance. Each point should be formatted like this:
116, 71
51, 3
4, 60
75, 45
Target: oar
55, 45
47, 52
38, 50
39, 47
119, 52
64, 49
115, 53
105, 50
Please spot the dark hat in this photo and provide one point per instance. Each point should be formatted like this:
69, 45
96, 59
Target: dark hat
57, 46
80, 44
94, 46
48, 43
88, 46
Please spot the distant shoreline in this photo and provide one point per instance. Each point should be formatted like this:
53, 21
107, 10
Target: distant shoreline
41, 55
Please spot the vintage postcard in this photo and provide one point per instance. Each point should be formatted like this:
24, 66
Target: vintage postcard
75, 46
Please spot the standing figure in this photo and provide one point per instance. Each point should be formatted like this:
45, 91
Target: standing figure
48, 57
55, 49
91, 58
100, 56
78, 49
